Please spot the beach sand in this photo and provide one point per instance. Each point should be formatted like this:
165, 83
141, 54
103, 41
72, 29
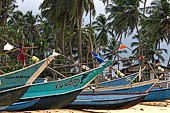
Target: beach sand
143, 107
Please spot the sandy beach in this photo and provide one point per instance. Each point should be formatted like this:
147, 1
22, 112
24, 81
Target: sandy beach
143, 107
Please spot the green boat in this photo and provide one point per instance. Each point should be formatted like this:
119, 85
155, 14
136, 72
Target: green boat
56, 94
13, 85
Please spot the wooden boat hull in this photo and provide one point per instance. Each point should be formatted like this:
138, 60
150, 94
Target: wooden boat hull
53, 101
161, 91
136, 88
120, 81
8, 97
110, 104
19, 105
57, 94
113, 97
23, 76
158, 94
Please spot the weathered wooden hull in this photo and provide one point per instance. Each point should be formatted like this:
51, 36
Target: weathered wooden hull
8, 97
53, 101
161, 90
136, 88
113, 97
110, 103
57, 94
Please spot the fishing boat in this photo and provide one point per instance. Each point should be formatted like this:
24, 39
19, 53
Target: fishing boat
120, 81
119, 97
161, 91
23, 76
13, 85
19, 105
56, 94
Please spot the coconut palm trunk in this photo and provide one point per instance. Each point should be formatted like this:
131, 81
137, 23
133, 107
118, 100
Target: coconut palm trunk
62, 35
79, 35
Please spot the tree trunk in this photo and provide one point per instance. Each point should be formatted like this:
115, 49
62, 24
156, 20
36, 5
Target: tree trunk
140, 42
90, 41
70, 41
79, 36
144, 7
56, 39
62, 36
6, 13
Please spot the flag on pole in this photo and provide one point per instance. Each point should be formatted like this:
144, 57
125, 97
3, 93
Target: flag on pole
122, 46
97, 57
55, 53
8, 47
21, 56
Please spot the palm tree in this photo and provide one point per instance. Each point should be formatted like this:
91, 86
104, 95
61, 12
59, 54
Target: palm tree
31, 31
111, 51
101, 25
82, 6
5, 6
158, 22
17, 22
125, 16
150, 48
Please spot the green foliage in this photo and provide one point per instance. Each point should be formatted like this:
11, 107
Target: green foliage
50, 30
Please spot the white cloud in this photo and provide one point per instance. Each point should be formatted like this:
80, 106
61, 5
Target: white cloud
29, 5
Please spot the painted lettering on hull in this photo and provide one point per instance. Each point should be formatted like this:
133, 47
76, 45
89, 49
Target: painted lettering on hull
71, 82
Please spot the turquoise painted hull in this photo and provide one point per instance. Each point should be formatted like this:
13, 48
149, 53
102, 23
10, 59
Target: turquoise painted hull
57, 94
14, 85
19, 77
64, 86
53, 101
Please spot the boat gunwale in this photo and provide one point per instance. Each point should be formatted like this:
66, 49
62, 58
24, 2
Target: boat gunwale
10, 89
136, 96
24, 68
51, 95
120, 79
69, 77
62, 80
154, 81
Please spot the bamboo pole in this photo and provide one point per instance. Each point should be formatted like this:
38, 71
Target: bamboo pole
56, 71
1, 54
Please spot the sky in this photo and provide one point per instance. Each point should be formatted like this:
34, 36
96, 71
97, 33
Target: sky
33, 5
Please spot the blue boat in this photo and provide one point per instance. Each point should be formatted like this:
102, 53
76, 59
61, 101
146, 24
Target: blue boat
112, 97
161, 91
56, 94
17, 82
19, 105
120, 81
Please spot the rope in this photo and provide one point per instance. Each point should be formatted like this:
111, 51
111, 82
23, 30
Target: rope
153, 70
